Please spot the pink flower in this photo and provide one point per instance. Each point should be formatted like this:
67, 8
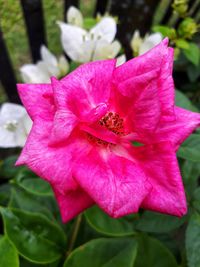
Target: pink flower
82, 130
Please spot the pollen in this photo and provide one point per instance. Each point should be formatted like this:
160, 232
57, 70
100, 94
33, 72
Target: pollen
113, 122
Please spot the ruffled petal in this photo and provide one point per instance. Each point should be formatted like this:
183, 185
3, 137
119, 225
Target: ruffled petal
52, 163
161, 168
178, 130
142, 109
72, 203
160, 57
116, 184
145, 63
85, 88
38, 100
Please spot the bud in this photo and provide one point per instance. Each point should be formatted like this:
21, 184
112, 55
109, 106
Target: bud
187, 28
180, 7
136, 42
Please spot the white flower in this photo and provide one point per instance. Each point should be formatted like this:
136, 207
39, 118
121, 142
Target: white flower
48, 66
84, 46
74, 16
15, 125
142, 45
121, 60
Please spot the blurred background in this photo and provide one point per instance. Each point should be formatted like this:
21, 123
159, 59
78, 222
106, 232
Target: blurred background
40, 17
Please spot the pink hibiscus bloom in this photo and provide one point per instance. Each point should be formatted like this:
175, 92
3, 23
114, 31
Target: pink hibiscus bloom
83, 126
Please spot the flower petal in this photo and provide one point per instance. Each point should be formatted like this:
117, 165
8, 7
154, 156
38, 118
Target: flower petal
37, 99
74, 16
178, 130
85, 88
72, 39
139, 65
161, 168
63, 65
32, 74
12, 111
50, 61
116, 184
149, 42
140, 93
162, 59
121, 60
52, 163
72, 203
106, 29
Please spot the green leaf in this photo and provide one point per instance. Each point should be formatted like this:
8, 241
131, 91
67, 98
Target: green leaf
190, 149
190, 173
196, 199
182, 43
26, 263
193, 72
103, 252
73, 66
192, 53
158, 223
193, 241
8, 169
8, 254
35, 237
184, 102
153, 253
102, 223
88, 23
25, 201
165, 31
34, 185
5, 192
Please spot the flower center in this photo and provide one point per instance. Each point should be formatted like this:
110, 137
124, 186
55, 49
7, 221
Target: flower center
11, 125
114, 123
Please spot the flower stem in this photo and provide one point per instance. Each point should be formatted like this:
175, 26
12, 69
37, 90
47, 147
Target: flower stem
74, 234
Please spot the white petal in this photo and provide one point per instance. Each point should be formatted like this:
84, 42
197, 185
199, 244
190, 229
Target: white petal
136, 41
16, 116
106, 29
121, 60
149, 42
27, 124
63, 65
12, 111
72, 38
30, 73
103, 50
50, 60
116, 46
7, 138
74, 16
21, 134
88, 48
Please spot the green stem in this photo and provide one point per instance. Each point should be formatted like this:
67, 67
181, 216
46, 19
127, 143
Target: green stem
161, 10
173, 19
194, 7
197, 17
74, 234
